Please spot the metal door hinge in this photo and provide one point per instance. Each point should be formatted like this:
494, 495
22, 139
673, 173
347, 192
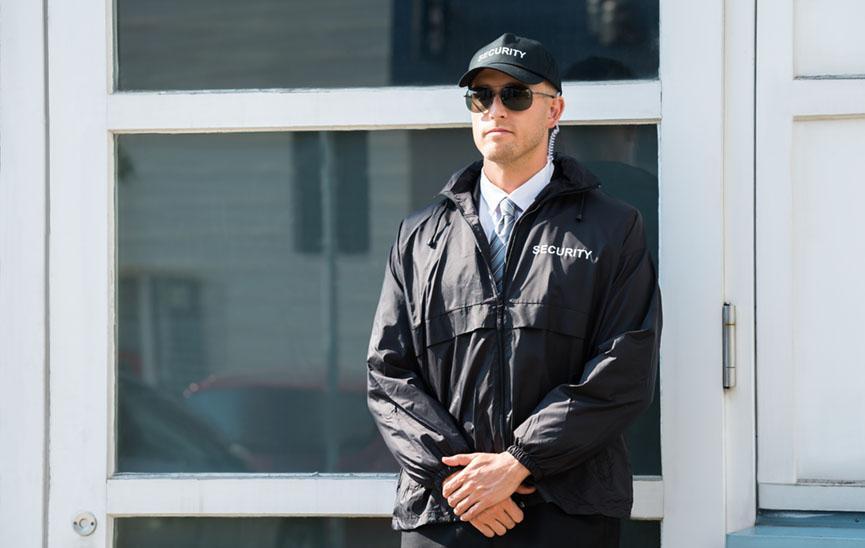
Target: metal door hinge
729, 345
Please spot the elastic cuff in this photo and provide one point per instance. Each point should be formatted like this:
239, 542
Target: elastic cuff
526, 461
438, 480
443, 474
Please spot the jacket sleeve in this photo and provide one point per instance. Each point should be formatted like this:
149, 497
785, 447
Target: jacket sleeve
574, 421
417, 429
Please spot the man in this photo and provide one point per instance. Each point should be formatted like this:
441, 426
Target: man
517, 333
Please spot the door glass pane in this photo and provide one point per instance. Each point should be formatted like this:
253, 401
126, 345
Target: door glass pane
249, 269
225, 44
297, 533
257, 532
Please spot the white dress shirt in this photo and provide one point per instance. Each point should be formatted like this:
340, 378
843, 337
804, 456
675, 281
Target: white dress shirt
491, 196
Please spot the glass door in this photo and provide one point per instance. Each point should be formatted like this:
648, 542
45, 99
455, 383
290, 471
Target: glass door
226, 179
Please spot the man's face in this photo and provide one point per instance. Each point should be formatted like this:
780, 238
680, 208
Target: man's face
506, 136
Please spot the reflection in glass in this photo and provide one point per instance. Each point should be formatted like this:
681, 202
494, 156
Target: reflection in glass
298, 533
257, 532
224, 44
249, 268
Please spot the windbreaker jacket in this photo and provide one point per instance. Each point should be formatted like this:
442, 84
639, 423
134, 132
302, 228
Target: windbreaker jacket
552, 370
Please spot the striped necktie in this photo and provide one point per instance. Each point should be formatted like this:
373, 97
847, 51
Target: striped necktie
499, 244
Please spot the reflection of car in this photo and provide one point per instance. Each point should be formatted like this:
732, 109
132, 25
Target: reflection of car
158, 434
260, 532
289, 427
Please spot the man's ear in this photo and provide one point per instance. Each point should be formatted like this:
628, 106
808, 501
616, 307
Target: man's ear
557, 108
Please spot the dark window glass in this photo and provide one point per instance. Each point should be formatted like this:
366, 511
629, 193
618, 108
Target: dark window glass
249, 268
332, 163
226, 44
298, 533
257, 532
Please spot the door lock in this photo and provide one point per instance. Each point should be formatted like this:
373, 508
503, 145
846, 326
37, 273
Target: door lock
84, 524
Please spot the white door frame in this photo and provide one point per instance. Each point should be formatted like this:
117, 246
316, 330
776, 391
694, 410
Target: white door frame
85, 114
23, 257
692, 238
739, 420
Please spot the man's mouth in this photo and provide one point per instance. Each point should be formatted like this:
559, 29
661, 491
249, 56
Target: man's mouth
497, 130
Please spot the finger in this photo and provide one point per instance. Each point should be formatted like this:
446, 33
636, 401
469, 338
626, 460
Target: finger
452, 483
458, 496
471, 512
464, 507
458, 460
503, 518
525, 489
484, 528
452, 476
513, 510
498, 527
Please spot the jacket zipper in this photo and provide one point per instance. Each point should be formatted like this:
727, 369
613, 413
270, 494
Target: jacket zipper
507, 433
507, 425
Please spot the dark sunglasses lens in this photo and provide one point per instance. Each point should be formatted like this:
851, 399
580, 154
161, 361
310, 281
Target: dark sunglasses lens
513, 98
470, 101
481, 99
516, 98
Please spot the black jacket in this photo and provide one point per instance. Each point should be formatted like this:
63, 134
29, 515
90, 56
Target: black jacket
553, 370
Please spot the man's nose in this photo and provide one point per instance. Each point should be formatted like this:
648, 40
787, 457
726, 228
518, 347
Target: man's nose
497, 108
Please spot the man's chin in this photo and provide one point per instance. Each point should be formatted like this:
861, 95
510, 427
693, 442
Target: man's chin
498, 155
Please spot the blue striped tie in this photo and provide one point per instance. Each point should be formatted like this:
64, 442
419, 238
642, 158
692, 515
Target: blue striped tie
499, 244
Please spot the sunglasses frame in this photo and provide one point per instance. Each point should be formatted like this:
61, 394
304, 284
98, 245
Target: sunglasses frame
470, 97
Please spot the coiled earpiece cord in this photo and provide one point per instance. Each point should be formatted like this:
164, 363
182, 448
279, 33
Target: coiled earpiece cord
552, 145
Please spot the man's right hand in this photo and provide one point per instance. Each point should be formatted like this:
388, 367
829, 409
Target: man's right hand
498, 519
501, 517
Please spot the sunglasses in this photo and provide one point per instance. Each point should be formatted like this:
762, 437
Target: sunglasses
513, 97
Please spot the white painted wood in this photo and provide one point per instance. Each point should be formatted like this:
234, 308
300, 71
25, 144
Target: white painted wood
691, 259
432, 106
23, 310
739, 420
81, 330
774, 245
648, 498
829, 266
366, 495
253, 495
827, 98
808, 173
828, 38
831, 497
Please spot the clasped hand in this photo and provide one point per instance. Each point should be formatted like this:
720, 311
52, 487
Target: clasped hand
481, 492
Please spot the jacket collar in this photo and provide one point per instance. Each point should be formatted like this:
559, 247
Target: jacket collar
569, 176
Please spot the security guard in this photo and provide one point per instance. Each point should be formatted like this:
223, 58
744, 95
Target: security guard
517, 333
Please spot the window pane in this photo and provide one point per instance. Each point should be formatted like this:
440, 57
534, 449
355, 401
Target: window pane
257, 532
298, 533
249, 269
226, 44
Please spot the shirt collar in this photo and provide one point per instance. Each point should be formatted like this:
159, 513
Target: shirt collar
523, 195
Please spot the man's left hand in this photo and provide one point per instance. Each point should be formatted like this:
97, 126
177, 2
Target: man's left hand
485, 480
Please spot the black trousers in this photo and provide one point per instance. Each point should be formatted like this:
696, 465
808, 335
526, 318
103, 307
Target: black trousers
544, 524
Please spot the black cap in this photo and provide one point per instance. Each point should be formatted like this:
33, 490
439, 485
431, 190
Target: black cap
525, 59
